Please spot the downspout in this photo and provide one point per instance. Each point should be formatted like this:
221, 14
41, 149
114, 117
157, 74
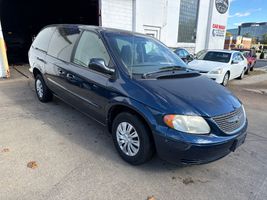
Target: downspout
99, 12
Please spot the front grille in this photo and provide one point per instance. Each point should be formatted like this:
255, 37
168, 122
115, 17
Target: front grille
231, 122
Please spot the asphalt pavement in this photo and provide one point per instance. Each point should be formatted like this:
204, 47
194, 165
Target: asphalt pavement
261, 63
51, 151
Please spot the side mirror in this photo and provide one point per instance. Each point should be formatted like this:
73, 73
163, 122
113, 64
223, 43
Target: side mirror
234, 62
98, 64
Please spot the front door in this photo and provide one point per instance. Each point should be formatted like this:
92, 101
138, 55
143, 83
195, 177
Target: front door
236, 66
88, 87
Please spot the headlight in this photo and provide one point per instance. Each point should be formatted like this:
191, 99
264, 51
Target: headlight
217, 71
187, 124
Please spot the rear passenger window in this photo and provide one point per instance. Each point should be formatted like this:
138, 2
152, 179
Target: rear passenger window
186, 53
41, 42
90, 46
62, 42
180, 53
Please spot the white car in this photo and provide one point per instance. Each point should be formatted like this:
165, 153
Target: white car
220, 65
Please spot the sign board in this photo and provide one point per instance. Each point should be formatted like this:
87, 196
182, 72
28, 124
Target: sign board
218, 21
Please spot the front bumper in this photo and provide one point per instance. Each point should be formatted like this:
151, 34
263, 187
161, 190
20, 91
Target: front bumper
216, 77
197, 149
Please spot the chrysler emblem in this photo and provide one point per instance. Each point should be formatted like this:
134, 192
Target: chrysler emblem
222, 6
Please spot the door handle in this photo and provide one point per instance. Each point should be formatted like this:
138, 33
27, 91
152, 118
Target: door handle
41, 60
70, 76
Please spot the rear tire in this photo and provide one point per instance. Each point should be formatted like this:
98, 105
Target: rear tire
226, 79
132, 139
248, 69
242, 74
42, 91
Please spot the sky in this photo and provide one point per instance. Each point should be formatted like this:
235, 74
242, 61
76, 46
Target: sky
246, 11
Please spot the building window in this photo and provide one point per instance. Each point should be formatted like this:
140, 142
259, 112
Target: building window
188, 21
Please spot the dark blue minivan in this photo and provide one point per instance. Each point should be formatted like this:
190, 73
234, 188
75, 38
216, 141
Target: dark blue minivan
140, 90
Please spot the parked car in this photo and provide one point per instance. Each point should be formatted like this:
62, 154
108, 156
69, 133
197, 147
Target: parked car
184, 55
220, 65
140, 90
250, 55
198, 54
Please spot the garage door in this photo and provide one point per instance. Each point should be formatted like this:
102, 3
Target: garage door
117, 14
22, 20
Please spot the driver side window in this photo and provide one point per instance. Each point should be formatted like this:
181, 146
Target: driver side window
186, 54
90, 46
235, 57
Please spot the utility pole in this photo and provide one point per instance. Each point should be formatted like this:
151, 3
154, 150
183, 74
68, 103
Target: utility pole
4, 68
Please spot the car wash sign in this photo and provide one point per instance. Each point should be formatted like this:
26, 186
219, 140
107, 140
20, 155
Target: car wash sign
217, 27
218, 30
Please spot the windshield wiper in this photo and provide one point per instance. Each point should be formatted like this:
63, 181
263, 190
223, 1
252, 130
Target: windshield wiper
165, 69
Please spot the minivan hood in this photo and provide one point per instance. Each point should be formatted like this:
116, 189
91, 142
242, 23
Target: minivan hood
189, 96
205, 65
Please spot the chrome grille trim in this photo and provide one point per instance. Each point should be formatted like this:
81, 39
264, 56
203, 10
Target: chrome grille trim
231, 122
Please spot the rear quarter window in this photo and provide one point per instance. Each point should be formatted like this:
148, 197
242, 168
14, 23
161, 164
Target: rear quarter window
42, 40
63, 41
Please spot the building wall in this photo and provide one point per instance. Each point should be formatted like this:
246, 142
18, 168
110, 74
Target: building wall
256, 30
203, 25
234, 32
237, 42
150, 21
247, 42
228, 42
117, 14
160, 18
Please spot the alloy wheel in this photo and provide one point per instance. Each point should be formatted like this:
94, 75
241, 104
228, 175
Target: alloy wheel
128, 139
39, 88
242, 74
225, 79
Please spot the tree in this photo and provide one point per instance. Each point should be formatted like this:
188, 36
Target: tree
228, 34
254, 40
264, 38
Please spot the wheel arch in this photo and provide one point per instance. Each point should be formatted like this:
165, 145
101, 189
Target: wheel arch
141, 112
36, 71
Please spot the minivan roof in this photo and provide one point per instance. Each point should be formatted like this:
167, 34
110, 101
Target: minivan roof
96, 28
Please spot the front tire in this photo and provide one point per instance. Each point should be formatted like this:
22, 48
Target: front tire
226, 79
252, 67
42, 91
132, 139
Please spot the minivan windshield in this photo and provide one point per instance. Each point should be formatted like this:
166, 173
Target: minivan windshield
142, 55
216, 56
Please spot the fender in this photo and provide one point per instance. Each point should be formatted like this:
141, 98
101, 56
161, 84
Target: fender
151, 116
